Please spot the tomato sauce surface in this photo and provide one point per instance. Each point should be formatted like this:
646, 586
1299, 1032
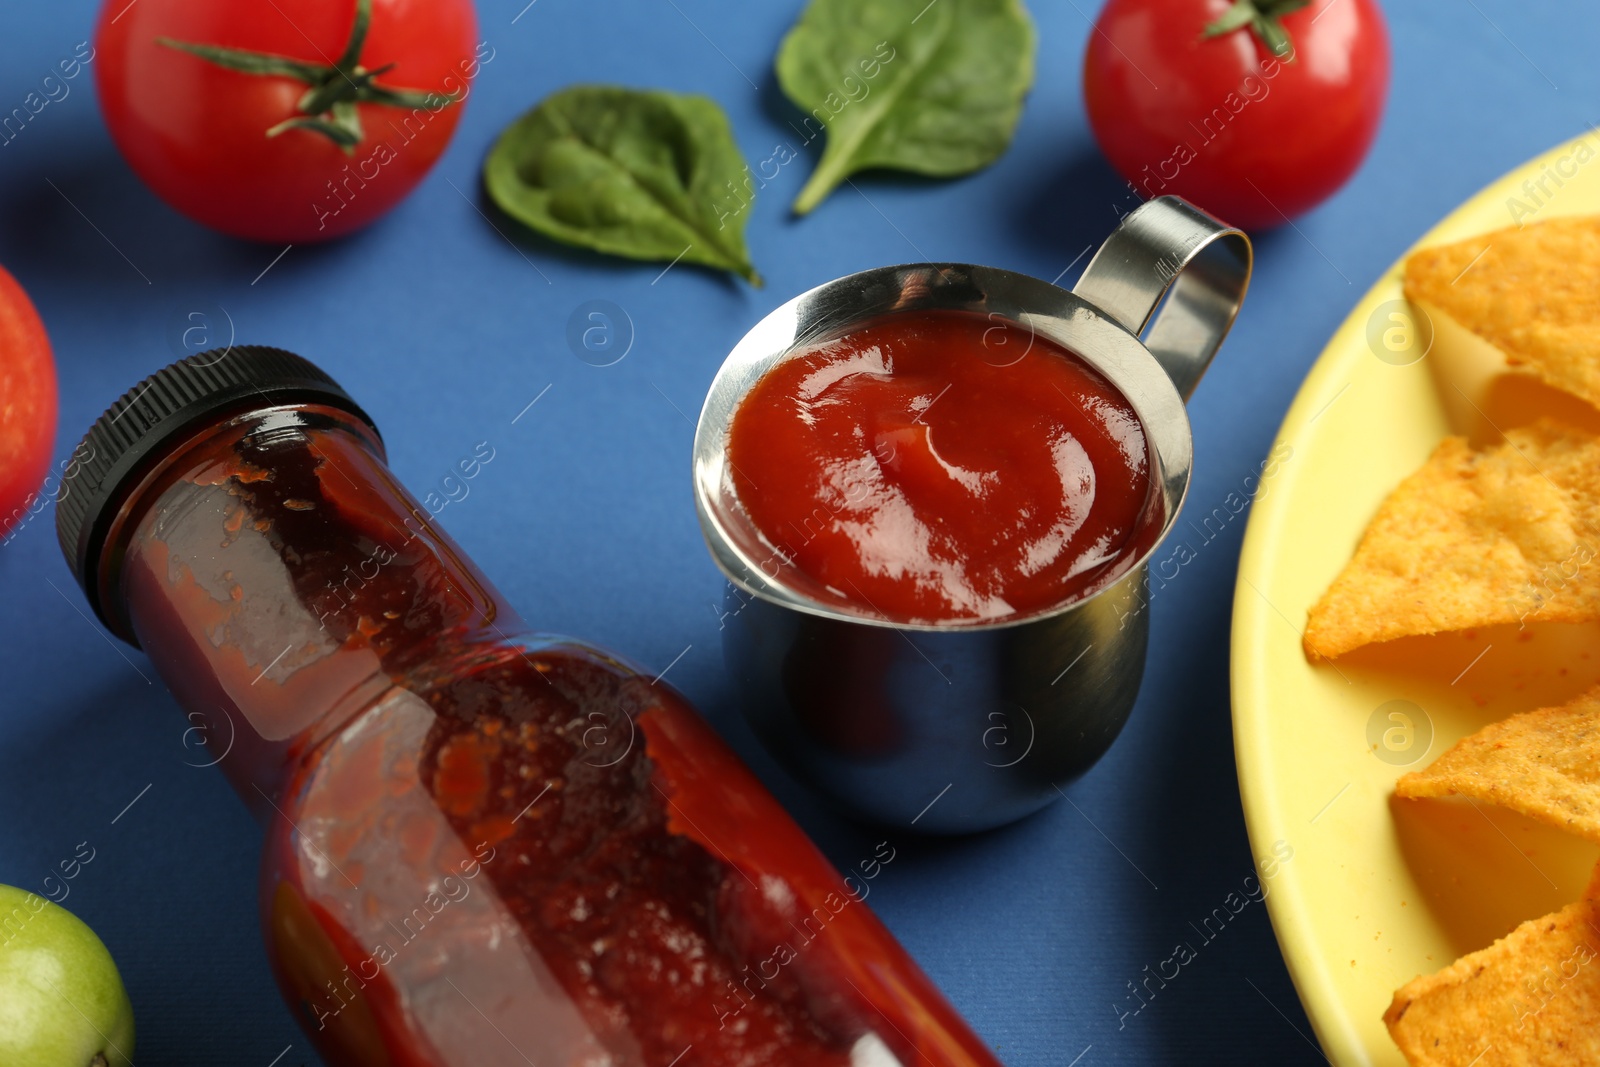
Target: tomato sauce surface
939, 466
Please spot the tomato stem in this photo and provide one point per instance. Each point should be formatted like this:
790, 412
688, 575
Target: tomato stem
1263, 17
328, 106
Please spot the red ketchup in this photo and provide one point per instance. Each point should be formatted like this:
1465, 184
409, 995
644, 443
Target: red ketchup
941, 465
483, 846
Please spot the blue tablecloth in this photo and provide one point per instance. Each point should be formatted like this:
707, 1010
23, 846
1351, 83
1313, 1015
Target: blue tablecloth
445, 331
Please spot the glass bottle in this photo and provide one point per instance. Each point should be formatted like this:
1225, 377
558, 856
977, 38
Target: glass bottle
484, 846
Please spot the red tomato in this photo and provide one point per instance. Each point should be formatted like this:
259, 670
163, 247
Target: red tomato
1222, 121
27, 403
196, 131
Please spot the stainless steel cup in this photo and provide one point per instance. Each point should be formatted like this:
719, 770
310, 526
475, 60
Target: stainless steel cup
961, 726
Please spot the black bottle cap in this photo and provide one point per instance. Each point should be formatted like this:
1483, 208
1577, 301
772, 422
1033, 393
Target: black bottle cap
162, 412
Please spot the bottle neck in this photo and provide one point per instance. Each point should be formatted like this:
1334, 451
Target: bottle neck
280, 579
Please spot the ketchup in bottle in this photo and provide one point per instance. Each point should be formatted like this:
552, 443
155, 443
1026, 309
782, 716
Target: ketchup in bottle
484, 846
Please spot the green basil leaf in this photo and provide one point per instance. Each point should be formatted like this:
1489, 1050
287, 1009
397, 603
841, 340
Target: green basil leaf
935, 88
642, 174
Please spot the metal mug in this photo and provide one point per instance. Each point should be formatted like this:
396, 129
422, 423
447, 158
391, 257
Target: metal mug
960, 726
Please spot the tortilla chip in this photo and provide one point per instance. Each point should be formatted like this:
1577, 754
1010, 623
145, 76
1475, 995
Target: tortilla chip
1529, 1000
1533, 293
1544, 764
1474, 539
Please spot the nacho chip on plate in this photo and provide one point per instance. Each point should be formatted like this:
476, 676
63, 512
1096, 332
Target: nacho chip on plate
1533, 292
1544, 764
1474, 538
1532, 999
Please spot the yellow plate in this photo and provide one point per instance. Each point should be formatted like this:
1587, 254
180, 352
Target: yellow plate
1379, 890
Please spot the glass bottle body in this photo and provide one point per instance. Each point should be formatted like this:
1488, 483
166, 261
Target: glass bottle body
484, 845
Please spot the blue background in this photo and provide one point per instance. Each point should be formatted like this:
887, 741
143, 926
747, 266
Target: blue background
445, 331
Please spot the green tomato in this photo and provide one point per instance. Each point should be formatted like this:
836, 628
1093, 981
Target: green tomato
61, 1000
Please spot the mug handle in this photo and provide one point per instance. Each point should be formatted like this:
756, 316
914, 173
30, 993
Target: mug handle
1169, 248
